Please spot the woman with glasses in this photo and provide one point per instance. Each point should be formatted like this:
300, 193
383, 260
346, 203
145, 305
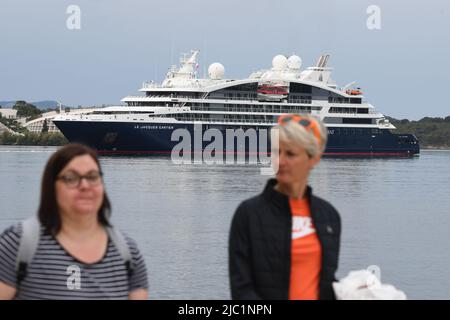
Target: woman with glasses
77, 254
284, 243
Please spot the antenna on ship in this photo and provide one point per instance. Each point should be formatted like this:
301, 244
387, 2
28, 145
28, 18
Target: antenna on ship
155, 66
204, 59
171, 51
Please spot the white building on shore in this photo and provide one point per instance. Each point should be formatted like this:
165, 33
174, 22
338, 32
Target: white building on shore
8, 113
36, 125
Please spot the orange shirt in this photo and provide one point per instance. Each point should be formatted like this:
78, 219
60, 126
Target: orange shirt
306, 253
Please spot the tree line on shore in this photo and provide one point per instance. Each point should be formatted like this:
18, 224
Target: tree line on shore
431, 132
24, 137
33, 139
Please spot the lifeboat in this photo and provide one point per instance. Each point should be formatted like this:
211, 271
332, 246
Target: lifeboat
353, 92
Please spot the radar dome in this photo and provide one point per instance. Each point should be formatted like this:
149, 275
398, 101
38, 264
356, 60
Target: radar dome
294, 62
216, 71
279, 62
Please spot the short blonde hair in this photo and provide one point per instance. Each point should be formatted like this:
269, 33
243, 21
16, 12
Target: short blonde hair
294, 132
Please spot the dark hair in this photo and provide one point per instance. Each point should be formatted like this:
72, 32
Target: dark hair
48, 212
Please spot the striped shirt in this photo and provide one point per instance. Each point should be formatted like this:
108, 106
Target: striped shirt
55, 274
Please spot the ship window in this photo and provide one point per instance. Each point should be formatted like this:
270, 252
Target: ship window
363, 110
243, 87
341, 100
299, 88
357, 120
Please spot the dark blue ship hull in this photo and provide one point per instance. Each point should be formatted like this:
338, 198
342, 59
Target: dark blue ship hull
156, 138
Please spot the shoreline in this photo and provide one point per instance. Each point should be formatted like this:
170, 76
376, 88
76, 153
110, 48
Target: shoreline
435, 148
428, 148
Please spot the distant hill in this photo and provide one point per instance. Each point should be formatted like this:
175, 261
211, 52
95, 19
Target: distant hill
42, 105
431, 132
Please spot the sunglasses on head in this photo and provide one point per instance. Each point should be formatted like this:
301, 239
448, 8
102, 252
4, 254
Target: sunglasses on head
308, 124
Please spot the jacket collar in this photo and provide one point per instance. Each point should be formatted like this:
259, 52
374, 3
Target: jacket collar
279, 199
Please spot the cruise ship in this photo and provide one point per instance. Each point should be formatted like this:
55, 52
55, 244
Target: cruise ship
146, 124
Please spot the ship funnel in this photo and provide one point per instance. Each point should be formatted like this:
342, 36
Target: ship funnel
323, 60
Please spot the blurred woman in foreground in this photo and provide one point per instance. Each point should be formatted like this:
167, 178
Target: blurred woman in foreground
284, 243
75, 253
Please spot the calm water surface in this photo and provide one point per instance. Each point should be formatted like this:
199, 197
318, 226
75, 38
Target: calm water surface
395, 214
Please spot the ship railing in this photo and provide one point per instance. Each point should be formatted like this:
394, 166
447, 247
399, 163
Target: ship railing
226, 99
253, 110
300, 101
348, 112
245, 98
355, 113
228, 120
149, 85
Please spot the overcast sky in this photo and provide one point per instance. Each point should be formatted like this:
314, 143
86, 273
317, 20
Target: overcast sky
402, 67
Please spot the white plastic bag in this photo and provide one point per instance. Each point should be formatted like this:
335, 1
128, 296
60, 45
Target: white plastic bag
364, 285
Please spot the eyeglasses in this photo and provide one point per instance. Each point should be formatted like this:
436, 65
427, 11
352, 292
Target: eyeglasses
73, 180
309, 124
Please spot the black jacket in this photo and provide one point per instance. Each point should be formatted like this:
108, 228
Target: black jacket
260, 245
